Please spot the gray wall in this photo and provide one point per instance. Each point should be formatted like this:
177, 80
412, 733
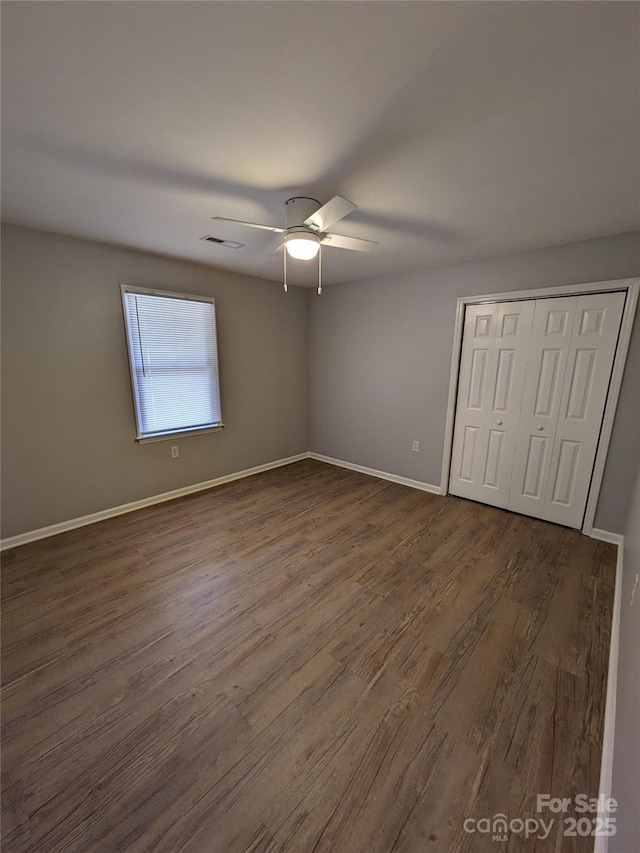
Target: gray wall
67, 416
380, 355
625, 785
375, 356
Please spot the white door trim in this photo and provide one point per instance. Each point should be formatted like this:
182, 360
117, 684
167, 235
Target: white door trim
632, 286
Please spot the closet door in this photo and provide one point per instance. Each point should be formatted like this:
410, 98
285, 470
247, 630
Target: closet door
590, 362
492, 370
548, 355
573, 345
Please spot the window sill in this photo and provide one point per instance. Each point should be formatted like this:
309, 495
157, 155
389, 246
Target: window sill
165, 436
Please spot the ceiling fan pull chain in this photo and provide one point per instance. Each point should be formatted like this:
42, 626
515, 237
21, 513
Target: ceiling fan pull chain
284, 255
320, 269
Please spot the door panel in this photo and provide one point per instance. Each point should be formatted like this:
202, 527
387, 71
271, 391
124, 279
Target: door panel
494, 458
548, 354
581, 384
492, 370
476, 379
502, 393
484, 324
557, 321
468, 453
565, 472
590, 361
534, 467
547, 385
510, 324
478, 337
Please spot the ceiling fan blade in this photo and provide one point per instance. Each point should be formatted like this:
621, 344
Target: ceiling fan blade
250, 224
330, 213
342, 242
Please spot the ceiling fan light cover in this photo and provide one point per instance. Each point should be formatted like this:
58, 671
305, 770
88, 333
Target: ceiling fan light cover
301, 246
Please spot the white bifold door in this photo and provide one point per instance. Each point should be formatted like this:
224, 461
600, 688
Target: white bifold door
533, 382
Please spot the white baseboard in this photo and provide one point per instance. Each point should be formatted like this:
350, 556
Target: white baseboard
608, 735
606, 536
382, 475
102, 515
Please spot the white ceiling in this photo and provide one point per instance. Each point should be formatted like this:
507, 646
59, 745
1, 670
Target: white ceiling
461, 130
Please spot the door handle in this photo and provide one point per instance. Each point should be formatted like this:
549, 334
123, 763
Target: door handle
499, 423
540, 427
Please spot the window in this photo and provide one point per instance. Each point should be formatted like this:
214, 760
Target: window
173, 354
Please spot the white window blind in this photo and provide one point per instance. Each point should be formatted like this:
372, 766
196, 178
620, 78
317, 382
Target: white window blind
173, 353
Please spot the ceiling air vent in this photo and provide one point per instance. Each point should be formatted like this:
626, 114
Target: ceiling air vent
230, 244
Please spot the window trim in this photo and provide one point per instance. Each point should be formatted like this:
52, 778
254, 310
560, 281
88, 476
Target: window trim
188, 297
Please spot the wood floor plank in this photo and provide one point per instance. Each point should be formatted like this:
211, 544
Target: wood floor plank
306, 660
386, 779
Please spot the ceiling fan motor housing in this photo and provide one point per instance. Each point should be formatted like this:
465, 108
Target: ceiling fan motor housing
298, 209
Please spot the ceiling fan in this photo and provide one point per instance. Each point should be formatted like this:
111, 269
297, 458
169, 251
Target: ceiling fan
306, 230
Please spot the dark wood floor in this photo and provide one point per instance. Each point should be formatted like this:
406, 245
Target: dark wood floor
307, 660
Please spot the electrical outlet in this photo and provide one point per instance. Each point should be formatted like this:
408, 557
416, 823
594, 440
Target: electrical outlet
416, 446
635, 586
175, 451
